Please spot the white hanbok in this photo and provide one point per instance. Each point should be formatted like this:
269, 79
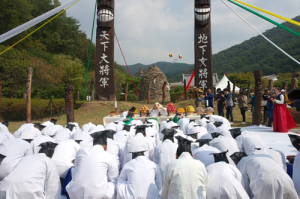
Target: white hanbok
63, 134
51, 130
224, 182
3, 128
264, 178
48, 123
87, 127
5, 136
210, 127
203, 154
35, 143
217, 118
184, 178
248, 141
182, 122
277, 156
35, 177
18, 132
223, 130
199, 130
87, 140
14, 149
76, 128
65, 152
140, 178
29, 132
116, 149
96, 174
296, 173
203, 122
164, 154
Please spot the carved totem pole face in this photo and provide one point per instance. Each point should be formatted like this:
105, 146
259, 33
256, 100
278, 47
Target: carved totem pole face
104, 72
203, 49
202, 12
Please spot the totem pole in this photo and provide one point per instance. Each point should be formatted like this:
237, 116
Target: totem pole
28, 95
69, 105
258, 96
203, 49
270, 85
104, 71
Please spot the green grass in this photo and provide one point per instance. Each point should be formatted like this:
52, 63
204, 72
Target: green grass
95, 111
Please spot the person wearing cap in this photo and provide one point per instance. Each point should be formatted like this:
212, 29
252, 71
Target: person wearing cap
14, 149
140, 177
295, 140
184, 177
96, 171
282, 118
264, 178
34, 177
224, 181
165, 152
5, 136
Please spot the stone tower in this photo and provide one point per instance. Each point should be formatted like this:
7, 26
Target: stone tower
156, 78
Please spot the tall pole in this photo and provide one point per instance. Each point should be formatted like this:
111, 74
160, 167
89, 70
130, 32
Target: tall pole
28, 95
258, 96
69, 104
126, 91
270, 87
184, 85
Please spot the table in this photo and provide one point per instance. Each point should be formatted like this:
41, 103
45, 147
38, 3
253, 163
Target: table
109, 119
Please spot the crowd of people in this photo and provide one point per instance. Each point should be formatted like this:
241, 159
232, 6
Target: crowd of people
179, 158
274, 102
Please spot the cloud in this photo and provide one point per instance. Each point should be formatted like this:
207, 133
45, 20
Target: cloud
148, 30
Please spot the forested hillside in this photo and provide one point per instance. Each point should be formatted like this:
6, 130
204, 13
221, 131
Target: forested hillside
58, 52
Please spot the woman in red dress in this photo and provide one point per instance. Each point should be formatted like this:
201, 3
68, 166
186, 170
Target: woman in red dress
282, 118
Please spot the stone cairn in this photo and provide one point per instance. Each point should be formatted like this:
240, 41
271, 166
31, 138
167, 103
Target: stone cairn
156, 78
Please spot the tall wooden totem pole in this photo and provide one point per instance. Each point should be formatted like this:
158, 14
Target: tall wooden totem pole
104, 71
203, 49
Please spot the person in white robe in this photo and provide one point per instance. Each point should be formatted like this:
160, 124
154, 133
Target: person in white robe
166, 151
295, 140
14, 149
224, 182
210, 127
203, 122
51, 130
217, 118
64, 155
223, 130
128, 130
96, 171
87, 127
29, 132
73, 126
152, 133
197, 132
18, 132
97, 128
203, 154
140, 178
63, 134
34, 177
111, 126
83, 138
5, 136
182, 122
146, 143
264, 178
248, 141
4, 126
277, 156
50, 123
190, 125
136, 122
184, 177
35, 143
154, 123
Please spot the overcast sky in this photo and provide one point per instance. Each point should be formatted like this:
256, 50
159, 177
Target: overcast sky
148, 30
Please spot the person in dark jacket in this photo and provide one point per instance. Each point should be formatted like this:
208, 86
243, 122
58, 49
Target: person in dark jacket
220, 101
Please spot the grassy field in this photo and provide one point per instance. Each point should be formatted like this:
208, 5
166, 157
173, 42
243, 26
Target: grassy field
95, 111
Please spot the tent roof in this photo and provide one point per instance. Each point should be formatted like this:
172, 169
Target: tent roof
223, 84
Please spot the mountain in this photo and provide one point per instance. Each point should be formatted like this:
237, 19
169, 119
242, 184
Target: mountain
255, 53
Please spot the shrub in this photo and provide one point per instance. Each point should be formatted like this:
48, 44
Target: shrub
176, 97
15, 109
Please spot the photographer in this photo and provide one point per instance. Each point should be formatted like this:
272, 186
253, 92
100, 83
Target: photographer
242, 100
209, 99
220, 101
228, 98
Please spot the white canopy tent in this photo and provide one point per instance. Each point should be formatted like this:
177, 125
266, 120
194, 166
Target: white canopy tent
223, 84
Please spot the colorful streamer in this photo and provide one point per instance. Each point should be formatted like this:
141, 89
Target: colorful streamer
262, 34
267, 19
270, 13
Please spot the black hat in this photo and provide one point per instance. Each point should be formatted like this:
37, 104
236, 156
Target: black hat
99, 138
129, 115
127, 127
168, 134
257, 149
28, 140
192, 120
39, 126
116, 122
237, 156
51, 136
175, 127
217, 124
132, 109
220, 157
196, 125
148, 122
136, 154
194, 135
235, 132
203, 141
48, 148
2, 157
78, 141
70, 126
215, 135
295, 140
141, 129
53, 121
203, 116
109, 133
184, 145
36, 124
6, 123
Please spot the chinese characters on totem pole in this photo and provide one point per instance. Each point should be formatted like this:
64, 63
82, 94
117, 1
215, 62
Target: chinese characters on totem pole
203, 51
104, 72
